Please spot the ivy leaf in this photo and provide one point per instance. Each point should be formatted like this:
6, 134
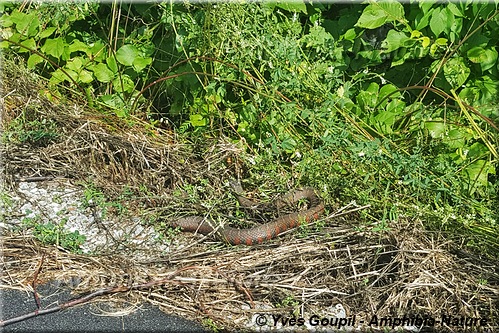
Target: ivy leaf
126, 55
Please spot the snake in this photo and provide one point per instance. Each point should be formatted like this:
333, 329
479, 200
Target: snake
260, 233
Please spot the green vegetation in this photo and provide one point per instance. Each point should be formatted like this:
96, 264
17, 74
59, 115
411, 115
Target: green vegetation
55, 234
391, 104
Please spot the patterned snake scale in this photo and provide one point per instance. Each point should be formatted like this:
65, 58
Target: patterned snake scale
261, 233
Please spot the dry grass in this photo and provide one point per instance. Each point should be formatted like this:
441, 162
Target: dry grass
405, 270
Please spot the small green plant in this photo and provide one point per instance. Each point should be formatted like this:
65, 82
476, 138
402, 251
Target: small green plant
212, 326
36, 132
54, 234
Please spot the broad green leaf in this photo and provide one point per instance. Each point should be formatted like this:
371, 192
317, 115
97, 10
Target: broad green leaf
441, 41
103, 73
449, 20
437, 21
54, 47
425, 42
123, 84
85, 76
456, 138
388, 89
377, 14
33, 60
435, 128
477, 150
140, 63
478, 172
21, 20
111, 64
114, 102
384, 121
487, 58
424, 20
197, 120
477, 54
47, 32
75, 64
371, 18
29, 44
288, 144
6, 21
78, 45
33, 25
98, 51
491, 60
58, 76
394, 40
456, 72
454, 9
126, 54
291, 6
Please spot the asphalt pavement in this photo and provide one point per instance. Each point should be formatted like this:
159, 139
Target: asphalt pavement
85, 317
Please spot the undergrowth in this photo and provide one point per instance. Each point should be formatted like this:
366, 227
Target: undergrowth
388, 104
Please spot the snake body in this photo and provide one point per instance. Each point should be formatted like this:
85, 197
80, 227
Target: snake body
261, 233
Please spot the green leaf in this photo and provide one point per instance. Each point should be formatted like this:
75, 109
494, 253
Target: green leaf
29, 43
394, 40
456, 72
103, 73
197, 120
477, 54
114, 102
47, 32
75, 64
456, 138
126, 54
437, 22
424, 20
425, 42
33, 25
491, 59
78, 45
111, 64
478, 172
290, 6
125, 84
33, 60
85, 76
377, 14
54, 47
436, 128
485, 57
140, 63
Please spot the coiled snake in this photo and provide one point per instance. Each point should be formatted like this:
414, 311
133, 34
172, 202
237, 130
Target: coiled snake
261, 233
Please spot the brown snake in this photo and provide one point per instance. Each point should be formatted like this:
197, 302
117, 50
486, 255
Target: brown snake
261, 233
